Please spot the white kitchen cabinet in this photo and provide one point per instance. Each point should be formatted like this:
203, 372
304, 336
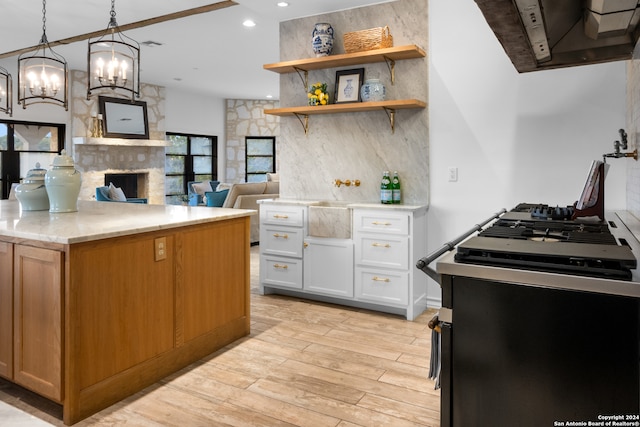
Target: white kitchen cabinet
328, 266
388, 243
376, 269
282, 231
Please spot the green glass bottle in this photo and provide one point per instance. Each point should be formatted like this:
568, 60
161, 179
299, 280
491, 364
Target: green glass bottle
386, 192
395, 188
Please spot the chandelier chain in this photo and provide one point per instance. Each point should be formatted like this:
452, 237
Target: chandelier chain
44, 22
113, 11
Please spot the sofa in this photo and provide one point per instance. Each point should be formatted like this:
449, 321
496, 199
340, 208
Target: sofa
196, 190
245, 196
111, 193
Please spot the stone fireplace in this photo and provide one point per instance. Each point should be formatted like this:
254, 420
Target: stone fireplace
96, 157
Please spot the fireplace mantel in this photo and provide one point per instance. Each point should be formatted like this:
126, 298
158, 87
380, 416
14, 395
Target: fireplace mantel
81, 140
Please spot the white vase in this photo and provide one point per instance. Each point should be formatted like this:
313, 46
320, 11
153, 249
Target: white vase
63, 183
32, 193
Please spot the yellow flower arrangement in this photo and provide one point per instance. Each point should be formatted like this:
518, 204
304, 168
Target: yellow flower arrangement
318, 94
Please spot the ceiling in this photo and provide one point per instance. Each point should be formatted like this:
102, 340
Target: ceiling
210, 53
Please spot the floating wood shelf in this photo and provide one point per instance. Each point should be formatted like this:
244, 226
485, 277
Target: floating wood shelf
390, 107
345, 59
389, 55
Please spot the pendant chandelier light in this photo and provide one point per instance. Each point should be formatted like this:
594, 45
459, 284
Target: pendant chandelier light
6, 94
113, 61
43, 76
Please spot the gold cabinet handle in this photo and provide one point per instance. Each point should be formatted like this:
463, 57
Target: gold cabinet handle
306, 245
284, 267
277, 235
281, 216
380, 279
381, 245
380, 223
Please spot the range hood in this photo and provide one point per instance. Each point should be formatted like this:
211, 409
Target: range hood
545, 34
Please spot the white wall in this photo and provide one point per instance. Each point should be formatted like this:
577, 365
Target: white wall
191, 113
513, 137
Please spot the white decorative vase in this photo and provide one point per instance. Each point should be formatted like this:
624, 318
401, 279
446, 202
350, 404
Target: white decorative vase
373, 90
32, 193
322, 39
63, 184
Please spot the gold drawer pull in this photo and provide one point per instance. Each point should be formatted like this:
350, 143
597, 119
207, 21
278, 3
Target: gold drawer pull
381, 245
284, 236
380, 223
379, 279
281, 216
284, 267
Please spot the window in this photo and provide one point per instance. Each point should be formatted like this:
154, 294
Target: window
188, 158
22, 145
260, 157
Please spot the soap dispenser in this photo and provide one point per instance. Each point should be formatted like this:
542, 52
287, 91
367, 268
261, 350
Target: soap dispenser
63, 182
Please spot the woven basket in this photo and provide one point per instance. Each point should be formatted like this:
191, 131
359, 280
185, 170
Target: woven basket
371, 39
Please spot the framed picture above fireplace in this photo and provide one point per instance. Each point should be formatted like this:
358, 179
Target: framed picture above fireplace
123, 118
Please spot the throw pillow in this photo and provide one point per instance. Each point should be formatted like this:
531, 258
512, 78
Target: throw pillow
116, 194
215, 199
202, 187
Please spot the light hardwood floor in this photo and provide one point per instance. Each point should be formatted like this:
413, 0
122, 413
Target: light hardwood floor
304, 364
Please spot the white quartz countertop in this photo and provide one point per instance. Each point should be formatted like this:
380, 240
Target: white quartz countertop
628, 228
345, 204
101, 220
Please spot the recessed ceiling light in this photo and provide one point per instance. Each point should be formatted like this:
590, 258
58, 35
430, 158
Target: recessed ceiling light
283, 4
269, 96
249, 23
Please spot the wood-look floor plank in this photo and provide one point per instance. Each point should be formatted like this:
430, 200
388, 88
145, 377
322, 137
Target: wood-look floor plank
405, 411
335, 408
371, 361
345, 365
419, 395
304, 364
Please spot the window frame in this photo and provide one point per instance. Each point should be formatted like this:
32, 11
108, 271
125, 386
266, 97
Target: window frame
10, 157
247, 156
189, 174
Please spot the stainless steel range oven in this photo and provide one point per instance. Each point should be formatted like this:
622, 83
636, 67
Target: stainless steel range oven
541, 322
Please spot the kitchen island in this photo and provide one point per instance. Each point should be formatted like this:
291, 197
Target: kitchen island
97, 304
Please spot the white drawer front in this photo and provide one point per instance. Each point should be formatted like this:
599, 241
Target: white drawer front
383, 251
281, 272
286, 241
387, 287
292, 216
381, 222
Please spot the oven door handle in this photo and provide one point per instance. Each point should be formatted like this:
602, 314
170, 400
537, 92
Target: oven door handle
423, 263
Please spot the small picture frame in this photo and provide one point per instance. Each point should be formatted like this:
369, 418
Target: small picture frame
123, 118
348, 83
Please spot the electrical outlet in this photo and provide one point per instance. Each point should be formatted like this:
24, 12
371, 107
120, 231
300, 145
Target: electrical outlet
453, 174
160, 245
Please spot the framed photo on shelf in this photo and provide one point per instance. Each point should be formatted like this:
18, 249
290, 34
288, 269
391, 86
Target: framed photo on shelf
124, 118
348, 84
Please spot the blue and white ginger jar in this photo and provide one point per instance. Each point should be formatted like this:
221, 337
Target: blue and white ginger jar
322, 39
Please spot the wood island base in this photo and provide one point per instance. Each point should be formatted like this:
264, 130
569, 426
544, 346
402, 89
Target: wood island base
91, 323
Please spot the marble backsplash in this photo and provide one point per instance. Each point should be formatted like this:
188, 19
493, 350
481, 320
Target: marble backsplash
357, 146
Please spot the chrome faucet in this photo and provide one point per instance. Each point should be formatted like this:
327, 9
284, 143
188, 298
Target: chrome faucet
617, 145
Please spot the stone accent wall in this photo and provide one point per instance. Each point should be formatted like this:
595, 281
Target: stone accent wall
245, 117
633, 130
94, 161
